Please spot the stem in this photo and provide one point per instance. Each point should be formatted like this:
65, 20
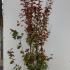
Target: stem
37, 58
30, 48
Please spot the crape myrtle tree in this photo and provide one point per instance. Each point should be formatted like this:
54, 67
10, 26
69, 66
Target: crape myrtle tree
36, 19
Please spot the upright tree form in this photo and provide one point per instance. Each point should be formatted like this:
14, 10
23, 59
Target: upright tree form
36, 19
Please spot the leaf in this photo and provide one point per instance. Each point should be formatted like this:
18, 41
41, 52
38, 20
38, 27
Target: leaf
22, 52
19, 37
29, 40
18, 24
49, 58
11, 62
17, 67
26, 50
14, 33
18, 47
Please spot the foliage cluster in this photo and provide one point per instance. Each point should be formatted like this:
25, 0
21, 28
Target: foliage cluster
36, 20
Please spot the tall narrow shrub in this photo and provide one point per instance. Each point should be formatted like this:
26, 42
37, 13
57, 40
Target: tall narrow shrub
36, 19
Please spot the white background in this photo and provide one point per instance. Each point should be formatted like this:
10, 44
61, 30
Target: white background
59, 40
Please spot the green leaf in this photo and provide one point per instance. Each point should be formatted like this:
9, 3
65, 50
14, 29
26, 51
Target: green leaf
19, 37
14, 33
17, 67
18, 47
22, 52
